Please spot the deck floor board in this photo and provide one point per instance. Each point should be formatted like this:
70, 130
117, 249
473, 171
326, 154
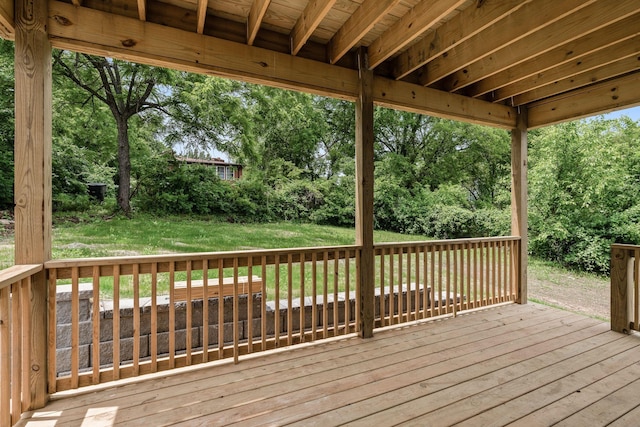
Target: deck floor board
519, 365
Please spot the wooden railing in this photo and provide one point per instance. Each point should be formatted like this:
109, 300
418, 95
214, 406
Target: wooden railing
625, 284
131, 316
137, 326
434, 278
15, 341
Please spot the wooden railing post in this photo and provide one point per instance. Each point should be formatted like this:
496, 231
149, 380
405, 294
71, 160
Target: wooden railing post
364, 194
33, 175
519, 218
619, 289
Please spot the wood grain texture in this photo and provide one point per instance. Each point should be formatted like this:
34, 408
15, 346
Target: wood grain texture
364, 193
254, 20
519, 202
619, 289
308, 22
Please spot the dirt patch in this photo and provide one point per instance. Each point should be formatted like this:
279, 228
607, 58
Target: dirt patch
587, 295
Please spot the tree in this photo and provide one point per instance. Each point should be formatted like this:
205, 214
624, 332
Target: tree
6, 124
127, 89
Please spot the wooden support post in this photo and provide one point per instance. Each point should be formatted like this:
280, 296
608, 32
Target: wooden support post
33, 173
364, 193
619, 289
519, 218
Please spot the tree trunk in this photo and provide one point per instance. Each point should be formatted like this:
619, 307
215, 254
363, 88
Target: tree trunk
124, 166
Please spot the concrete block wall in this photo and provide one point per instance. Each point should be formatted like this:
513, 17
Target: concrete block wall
126, 309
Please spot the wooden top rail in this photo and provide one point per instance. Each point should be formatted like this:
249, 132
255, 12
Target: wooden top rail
85, 265
625, 246
450, 242
18, 272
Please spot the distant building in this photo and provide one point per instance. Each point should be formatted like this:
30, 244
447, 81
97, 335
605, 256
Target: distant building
226, 171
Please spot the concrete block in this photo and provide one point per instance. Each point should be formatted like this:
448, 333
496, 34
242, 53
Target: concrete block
63, 310
227, 330
180, 340
63, 358
63, 334
126, 350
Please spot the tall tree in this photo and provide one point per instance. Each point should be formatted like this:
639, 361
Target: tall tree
128, 90
6, 124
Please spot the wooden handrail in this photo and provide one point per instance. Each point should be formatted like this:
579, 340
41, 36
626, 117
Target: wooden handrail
16, 273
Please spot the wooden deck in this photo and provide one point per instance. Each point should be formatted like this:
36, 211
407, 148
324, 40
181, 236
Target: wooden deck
509, 365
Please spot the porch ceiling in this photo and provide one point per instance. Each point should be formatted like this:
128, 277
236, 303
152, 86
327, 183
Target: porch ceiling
472, 60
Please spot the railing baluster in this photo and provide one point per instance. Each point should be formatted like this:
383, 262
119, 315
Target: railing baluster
236, 326
425, 286
314, 296
116, 322
5, 357
416, 296
408, 297
16, 353
400, 288
636, 287
277, 301
250, 305
136, 319
381, 300
263, 308
189, 319
432, 290
95, 317
154, 317
325, 294
75, 327
53, 323
289, 299
220, 309
205, 310
392, 293
25, 295
172, 315
336, 303
347, 296
302, 304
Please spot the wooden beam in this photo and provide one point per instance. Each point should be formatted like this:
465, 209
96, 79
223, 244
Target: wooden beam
360, 23
364, 194
572, 27
308, 22
142, 10
567, 52
33, 174
530, 18
201, 12
623, 92
409, 97
519, 216
605, 72
79, 29
419, 19
7, 29
256, 15
622, 54
460, 28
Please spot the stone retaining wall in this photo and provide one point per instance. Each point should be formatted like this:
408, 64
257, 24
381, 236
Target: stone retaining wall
63, 310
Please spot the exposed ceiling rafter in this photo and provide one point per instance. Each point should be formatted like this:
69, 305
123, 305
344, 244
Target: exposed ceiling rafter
463, 26
254, 20
409, 27
142, 9
531, 18
584, 21
363, 20
201, 12
308, 22
567, 52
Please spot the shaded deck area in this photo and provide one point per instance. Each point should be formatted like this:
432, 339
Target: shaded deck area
507, 365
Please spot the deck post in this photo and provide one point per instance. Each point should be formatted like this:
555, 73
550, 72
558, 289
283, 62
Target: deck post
364, 193
619, 289
33, 175
519, 218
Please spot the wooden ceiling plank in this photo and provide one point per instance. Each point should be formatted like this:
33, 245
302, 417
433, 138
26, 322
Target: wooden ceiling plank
360, 23
568, 52
308, 22
530, 18
142, 9
415, 22
201, 13
82, 30
7, 27
256, 14
460, 28
605, 72
591, 18
610, 54
623, 92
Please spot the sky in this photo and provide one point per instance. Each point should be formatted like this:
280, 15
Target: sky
633, 113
